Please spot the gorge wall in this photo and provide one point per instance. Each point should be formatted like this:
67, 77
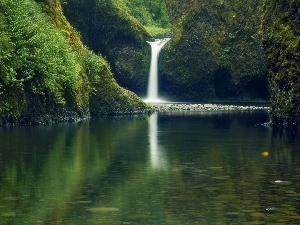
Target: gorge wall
47, 75
107, 28
216, 51
281, 29
220, 50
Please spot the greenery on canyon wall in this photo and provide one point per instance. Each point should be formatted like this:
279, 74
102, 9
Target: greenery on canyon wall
151, 13
281, 28
119, 29
216, 51
46, 73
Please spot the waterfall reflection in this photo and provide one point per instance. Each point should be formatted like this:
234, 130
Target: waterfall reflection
157, 155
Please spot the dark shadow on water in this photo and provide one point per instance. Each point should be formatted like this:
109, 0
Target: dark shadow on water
289, 135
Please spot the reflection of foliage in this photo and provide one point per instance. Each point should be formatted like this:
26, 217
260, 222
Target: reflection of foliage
42, 185
101, 167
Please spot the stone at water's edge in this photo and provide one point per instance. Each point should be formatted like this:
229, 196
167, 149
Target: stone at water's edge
203, 107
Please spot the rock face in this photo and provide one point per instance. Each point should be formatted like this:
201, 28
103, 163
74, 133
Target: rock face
216, 51
281, 37
108, 29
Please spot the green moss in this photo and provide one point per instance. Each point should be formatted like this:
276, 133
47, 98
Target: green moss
47, 74
115, 34
157, 31
211, 37
281, 39
42, 62
150, 13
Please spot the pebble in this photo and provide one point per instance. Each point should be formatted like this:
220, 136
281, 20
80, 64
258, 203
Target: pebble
203, 107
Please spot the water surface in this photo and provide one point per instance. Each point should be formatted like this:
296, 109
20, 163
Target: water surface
169, 168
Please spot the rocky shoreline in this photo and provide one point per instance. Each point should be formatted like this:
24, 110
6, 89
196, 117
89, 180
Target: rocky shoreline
67, 117
202, 107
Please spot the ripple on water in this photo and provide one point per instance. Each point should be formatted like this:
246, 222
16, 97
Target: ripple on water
215, 168
102, 209
221, 177
210, 189
8, 214
281, 182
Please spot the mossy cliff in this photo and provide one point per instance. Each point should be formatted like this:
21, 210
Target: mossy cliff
215, 52
281, 29
47, 74
107, 28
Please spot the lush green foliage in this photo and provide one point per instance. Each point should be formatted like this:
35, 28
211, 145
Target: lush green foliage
45, 69
151, 13
40, 61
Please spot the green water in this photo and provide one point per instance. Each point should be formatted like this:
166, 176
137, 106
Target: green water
170, 168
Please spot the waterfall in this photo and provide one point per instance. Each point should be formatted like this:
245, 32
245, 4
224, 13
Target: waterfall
152, 92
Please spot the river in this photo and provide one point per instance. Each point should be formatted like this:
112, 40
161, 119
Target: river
209, 167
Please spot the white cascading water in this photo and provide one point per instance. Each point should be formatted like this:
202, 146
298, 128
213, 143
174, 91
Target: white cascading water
152, 92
